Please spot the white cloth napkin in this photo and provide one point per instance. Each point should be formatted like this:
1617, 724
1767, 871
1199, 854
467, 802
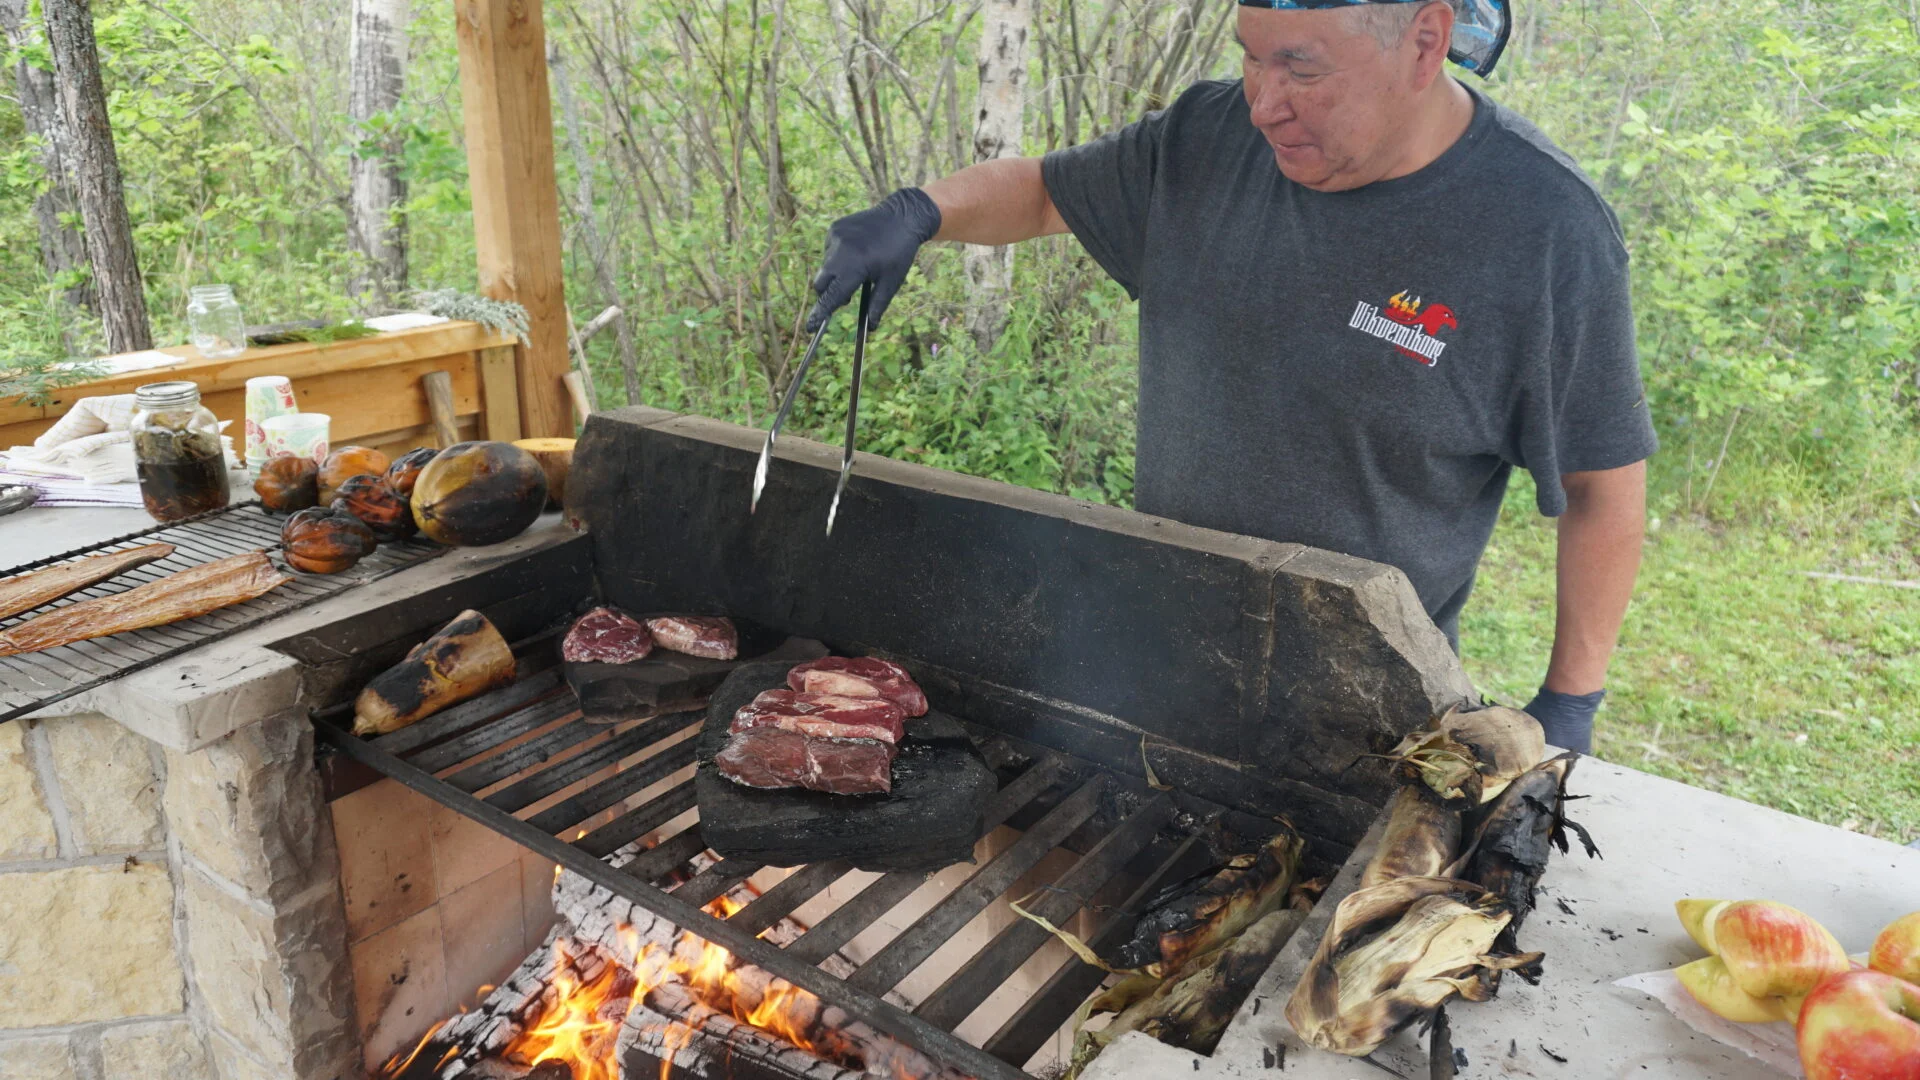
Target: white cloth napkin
90, 444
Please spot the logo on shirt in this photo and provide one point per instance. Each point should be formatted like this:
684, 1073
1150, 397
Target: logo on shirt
1408, 325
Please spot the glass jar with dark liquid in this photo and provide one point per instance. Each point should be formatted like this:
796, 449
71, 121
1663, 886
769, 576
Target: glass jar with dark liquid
177, 451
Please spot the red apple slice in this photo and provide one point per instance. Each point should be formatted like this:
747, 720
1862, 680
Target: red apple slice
1896, 951
1773, 950
1861, 1025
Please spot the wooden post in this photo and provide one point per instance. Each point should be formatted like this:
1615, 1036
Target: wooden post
516, 205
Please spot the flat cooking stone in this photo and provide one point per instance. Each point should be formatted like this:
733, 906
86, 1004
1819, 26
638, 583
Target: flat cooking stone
610, 693
931, 819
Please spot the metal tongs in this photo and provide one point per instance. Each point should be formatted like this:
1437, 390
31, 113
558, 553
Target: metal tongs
853, 407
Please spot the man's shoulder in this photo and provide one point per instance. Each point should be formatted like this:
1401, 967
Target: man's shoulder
1541, 179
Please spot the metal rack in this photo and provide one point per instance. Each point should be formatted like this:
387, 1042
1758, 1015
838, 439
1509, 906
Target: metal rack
502, 759
31, 681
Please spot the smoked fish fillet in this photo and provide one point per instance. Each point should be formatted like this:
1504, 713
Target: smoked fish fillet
24, 592
191, 592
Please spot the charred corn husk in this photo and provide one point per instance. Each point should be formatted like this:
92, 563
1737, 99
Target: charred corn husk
1421, 838
1467, 757
1394, 953
1510, 848
1191, 1009
1195, 916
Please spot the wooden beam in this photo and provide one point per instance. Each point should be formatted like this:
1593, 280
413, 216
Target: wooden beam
500, 394
516, 205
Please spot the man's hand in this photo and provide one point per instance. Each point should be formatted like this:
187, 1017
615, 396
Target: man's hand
1600, 536
875, 245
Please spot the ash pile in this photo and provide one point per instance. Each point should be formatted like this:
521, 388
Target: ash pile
618, 993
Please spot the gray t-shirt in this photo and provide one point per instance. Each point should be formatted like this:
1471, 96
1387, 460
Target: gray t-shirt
1361, 370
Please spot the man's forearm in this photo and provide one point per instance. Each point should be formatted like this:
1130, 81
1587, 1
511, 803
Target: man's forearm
1600, 537
995, 202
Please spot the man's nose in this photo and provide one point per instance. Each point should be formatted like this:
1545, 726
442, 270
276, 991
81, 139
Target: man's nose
1272, 103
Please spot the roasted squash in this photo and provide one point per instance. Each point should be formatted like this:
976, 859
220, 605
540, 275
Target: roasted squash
372, 501
288, 483
406, 469
323, 540
464, 659
477, 493
346, 463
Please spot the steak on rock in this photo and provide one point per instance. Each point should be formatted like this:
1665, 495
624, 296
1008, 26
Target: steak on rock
606, 636
823, 716
696, 635
860, 677
771, 757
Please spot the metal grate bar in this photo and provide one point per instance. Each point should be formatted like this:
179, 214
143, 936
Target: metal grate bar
934, 929
941, 1045
495, 732
442, 725
519, 796
655, 863
573, 810
622, 831
32, 681
780, 901
530, 753
716, 879
981, 975
845, 923
1035, 1021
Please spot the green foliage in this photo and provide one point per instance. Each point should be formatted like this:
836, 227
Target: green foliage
502, 316
32, 381
327, 333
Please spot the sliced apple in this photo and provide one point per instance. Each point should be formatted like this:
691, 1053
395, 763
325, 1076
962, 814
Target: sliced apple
1773, 950
1896, 951
1696, 916
1861, 1025
1712, 985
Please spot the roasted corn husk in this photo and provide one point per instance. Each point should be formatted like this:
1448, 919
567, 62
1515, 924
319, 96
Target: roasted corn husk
1516, 836
1198, 916
1394, 953
1422, 837
1468, 757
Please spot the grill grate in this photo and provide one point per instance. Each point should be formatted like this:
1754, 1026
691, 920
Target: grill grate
523, 762
33, 680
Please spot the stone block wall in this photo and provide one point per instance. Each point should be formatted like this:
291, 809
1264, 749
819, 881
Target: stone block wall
168, 914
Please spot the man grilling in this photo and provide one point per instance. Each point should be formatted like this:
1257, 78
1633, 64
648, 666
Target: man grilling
1366, 293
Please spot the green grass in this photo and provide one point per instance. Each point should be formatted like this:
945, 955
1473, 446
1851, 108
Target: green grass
1736, 671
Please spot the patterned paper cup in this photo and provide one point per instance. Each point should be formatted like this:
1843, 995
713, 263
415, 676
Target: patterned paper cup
268, 396
299, 434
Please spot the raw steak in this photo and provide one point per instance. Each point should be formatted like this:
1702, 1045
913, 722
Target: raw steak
860, 676
696, 635
606, 636
822, 716
768, 757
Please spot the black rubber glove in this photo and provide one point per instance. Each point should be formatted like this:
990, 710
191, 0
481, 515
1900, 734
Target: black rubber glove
874, 245
1567, 718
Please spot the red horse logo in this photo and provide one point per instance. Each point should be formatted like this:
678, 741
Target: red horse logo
1430, 318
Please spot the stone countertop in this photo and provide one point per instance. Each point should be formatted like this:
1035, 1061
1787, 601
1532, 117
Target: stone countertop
1662, 841
217, 688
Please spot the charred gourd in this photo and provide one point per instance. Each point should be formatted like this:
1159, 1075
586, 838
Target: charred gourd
477, 493
464, 659
405, 470
288, 483
323, 540
1194, 916
372, 501
346, 463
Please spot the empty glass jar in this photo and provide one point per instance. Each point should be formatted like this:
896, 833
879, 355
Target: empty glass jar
177, 452
214, 321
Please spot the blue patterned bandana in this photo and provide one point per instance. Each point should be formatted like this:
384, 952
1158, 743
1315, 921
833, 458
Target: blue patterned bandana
1479, 35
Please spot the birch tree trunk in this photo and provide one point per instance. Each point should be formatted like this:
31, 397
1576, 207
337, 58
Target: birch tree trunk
86, 145
63, 250
377, 58
996, 134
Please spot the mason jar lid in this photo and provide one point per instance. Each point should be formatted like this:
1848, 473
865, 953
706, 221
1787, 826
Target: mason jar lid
177, 394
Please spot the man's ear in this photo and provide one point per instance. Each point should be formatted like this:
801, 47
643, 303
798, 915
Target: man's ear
1432, 35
